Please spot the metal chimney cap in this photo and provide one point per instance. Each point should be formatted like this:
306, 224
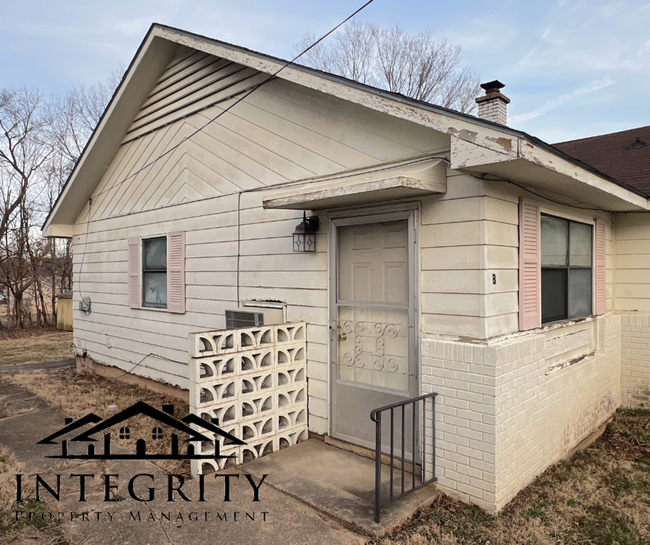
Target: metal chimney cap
492, 85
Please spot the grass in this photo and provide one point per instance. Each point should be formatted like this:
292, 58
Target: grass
34, 346
78, 395
600, 496
23, 530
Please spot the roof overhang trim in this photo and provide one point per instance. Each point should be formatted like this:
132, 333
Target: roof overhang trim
495, 140
426, 177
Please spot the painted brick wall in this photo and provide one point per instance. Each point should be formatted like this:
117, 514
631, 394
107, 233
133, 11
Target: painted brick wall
464, 376
635, 360
507, 410
548, 401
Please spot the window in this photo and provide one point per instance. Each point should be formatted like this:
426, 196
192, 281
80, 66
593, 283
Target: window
566, 263
154, 272
125, 433
156, 433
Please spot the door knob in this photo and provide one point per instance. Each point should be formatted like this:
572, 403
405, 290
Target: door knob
342, 336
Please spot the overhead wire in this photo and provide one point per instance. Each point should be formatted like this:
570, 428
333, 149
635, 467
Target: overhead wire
240, 99
189, 137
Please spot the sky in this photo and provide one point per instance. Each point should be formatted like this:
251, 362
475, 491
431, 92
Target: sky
572, 68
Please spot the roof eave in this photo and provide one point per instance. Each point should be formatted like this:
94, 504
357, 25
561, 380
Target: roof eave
107, 136
534, 163
497, 139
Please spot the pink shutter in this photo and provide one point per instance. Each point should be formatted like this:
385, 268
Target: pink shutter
600, 273
529, 265
176, 273
134, 272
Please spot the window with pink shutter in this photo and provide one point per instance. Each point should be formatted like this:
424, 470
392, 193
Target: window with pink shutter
157, 272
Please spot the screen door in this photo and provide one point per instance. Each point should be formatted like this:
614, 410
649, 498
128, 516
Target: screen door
373, 333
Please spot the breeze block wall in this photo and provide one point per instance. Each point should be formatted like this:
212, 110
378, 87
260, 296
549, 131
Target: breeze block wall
508, 409
635, 360
251, 382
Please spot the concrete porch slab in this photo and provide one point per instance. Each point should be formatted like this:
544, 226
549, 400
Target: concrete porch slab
339, 483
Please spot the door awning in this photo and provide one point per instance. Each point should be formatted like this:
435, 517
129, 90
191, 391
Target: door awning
379, 184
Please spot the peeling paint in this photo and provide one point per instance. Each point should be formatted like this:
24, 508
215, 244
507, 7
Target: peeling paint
568, 363
470, 136
505, 143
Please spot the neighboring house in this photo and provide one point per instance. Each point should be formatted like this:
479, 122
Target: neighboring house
453, 254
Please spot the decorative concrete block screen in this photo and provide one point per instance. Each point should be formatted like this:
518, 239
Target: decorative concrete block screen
253, 382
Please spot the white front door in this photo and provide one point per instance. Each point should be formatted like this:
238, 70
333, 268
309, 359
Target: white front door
373, 319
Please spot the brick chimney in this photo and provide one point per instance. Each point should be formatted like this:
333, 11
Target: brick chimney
493, 106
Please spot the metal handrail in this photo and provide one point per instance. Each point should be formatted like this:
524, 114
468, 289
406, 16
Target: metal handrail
376, 416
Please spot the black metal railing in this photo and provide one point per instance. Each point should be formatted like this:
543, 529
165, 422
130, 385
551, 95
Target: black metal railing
419, 465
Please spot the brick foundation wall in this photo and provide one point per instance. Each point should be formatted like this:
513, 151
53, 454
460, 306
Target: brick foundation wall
635, 360
548, 401
464, 376
507, 410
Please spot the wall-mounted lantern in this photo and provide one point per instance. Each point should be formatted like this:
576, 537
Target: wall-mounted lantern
304, 237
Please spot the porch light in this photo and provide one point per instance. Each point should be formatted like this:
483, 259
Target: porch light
304, 237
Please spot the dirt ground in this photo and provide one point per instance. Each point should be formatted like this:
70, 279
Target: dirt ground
34, 345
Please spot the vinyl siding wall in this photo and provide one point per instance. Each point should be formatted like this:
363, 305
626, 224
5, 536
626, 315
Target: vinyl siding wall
632, 291
282, 133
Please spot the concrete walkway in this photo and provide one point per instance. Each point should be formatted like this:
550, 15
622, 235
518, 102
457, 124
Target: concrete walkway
70, 362
276, 518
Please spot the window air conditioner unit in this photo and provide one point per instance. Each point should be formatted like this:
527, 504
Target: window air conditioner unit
253, 317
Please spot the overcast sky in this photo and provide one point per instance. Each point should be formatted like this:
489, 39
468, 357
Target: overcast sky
572, 68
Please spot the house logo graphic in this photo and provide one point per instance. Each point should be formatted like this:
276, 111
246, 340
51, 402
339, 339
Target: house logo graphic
165, 417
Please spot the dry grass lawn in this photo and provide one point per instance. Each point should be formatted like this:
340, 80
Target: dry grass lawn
600, 496
78, 395
34, 346
23, 531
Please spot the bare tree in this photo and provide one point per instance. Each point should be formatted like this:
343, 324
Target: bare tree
413, 65
24, 148
41, 139
24, 151
75, 116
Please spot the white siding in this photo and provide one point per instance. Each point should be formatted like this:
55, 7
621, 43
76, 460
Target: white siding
282, 133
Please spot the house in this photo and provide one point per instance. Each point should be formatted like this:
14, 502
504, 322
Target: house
453, 254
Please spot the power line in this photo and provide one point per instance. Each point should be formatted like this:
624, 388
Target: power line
240, 99
187, 138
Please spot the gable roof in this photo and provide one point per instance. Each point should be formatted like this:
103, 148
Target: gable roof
496, 143
624, 155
